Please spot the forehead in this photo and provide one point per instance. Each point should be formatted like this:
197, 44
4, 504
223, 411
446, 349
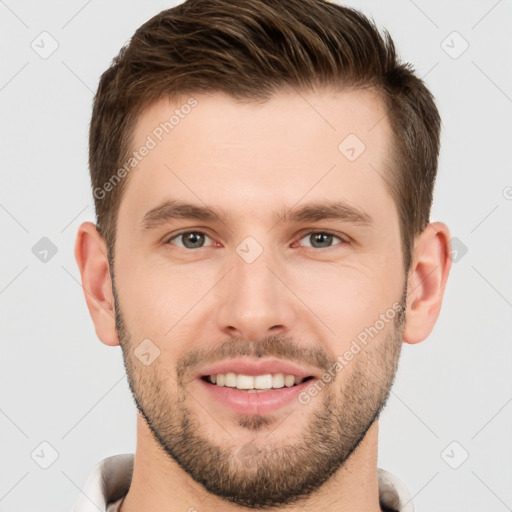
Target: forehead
240, 156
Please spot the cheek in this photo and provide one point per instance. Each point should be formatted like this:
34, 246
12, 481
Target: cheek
348, 299
159, 299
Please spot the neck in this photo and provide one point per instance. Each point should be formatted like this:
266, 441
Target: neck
158, 483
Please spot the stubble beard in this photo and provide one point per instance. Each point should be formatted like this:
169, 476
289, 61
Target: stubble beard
262, 474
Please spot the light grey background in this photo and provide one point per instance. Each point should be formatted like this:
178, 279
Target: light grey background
61, 386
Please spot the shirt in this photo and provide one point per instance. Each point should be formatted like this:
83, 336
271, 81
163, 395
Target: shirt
110, 480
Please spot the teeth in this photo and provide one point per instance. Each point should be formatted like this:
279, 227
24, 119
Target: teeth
255, 384
245, 382
262, 381
289, 381
230, 381
278, 380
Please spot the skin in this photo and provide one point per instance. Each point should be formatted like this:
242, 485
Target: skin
255, 161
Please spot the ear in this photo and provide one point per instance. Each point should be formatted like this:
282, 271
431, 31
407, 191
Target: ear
431, 263
91, 256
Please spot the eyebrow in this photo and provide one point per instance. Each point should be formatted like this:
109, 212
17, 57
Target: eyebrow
312, 212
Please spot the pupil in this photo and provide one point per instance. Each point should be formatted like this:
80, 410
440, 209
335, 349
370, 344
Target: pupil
194, 240
322, 240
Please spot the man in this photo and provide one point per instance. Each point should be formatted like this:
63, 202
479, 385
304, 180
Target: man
263, 177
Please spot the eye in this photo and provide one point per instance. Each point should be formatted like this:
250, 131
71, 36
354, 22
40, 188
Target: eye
320, 239
189, 239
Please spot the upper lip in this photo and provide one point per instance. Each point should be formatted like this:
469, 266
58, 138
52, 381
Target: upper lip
256, 366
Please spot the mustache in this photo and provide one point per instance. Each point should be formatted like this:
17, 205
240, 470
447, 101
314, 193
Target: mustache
281, 347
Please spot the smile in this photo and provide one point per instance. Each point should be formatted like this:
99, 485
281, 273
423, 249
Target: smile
255, 383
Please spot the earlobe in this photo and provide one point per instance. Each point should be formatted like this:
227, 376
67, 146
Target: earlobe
91, 256
427, 281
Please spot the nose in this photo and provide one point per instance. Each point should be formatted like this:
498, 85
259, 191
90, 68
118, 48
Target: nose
254, 302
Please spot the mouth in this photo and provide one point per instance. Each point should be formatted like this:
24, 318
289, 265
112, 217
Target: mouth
253, 386
255, 383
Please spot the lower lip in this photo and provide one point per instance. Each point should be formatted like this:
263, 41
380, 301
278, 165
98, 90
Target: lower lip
265, 402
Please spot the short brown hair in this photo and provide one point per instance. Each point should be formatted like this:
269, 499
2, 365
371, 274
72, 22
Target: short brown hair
251, 49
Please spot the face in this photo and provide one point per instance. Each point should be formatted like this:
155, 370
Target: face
258, 283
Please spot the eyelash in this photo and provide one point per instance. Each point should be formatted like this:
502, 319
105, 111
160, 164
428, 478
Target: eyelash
330, 233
